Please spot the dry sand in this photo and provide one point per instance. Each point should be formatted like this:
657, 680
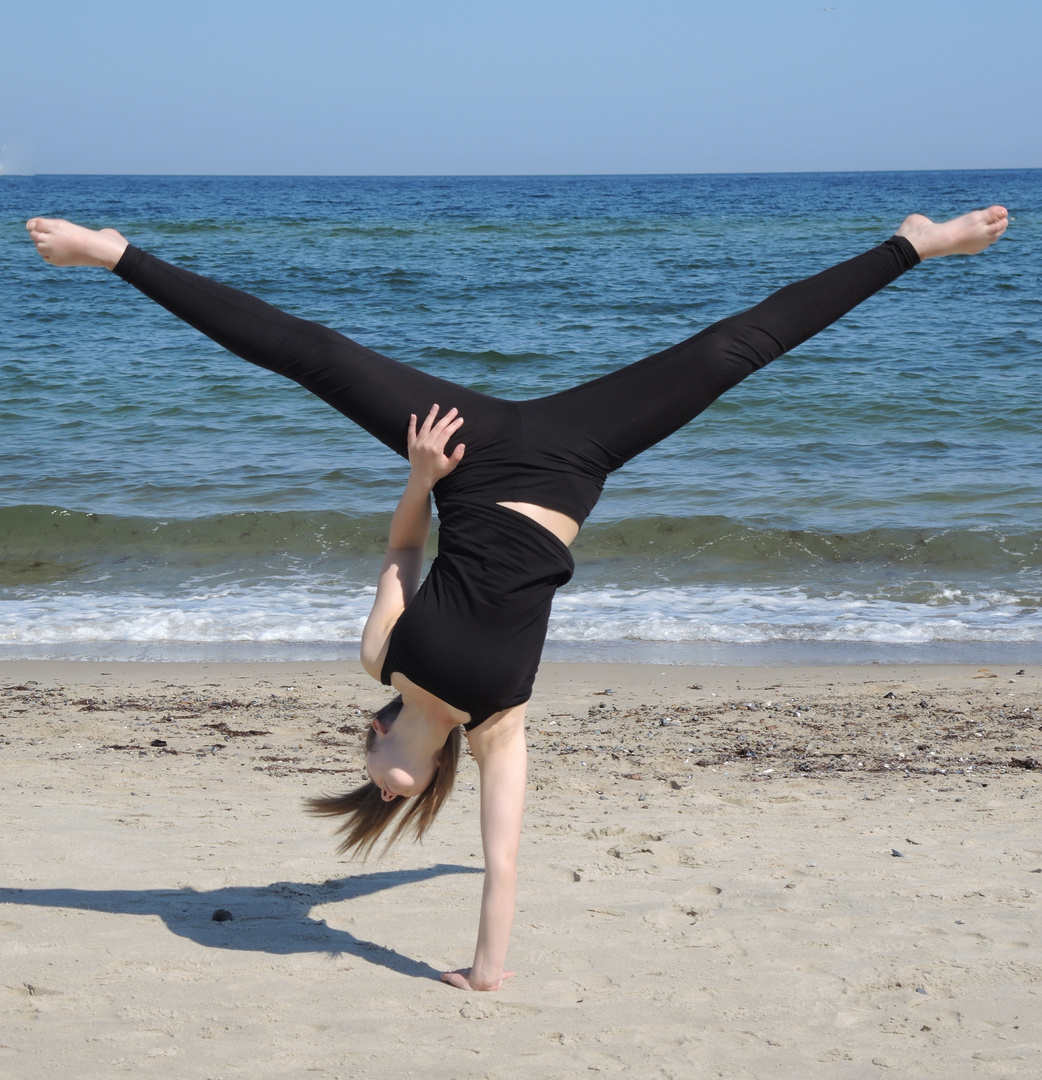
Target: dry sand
764, 873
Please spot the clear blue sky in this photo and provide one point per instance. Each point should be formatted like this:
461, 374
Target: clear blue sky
529, 86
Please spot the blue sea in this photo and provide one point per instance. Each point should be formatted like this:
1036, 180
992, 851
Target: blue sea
877, 494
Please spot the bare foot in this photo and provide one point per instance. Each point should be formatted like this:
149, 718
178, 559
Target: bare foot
964, 235
61, 243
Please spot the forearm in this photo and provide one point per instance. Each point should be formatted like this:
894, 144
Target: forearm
411, 522
499, 748
410, 527
498, 900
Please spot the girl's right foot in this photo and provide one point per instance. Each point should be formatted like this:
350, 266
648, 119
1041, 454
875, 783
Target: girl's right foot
964, 235
61, 243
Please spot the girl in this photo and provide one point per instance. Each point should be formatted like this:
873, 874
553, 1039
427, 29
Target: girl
462, 648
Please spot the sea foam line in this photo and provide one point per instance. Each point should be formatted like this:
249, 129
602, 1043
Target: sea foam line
329, 611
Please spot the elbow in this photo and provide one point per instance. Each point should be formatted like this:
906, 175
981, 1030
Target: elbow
370, 663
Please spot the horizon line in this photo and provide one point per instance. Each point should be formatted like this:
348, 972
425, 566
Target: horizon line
516, 176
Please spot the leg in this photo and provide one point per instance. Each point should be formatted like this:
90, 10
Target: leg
639, 405
374, 391
612, 419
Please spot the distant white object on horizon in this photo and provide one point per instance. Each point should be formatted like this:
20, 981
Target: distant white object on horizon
17, 159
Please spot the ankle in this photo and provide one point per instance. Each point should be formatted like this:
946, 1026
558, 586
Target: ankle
107, 248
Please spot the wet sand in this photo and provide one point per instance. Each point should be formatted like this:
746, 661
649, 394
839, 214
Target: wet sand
755, 872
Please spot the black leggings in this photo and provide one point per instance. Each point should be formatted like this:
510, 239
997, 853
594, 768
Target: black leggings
554, 451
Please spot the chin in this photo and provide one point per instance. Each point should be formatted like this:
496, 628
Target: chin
400, 780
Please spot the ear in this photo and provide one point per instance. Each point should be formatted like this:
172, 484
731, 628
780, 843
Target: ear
379, 725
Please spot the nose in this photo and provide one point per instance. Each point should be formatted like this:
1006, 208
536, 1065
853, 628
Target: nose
387, 796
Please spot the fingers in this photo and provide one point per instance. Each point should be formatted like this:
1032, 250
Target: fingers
436, 432
444, 434
461, 979
432, 416
447, 424
429, 421
427, 444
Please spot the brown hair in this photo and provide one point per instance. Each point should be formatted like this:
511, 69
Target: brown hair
366, 813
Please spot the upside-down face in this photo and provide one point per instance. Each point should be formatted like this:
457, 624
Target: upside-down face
395, 764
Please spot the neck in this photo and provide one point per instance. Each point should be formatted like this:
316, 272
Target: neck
430, 709
425, 724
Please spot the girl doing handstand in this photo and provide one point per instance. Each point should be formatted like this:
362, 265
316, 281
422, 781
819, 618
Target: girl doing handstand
462, 647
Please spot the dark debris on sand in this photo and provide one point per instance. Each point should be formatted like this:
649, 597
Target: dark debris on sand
281, 734
837, 731
840, 732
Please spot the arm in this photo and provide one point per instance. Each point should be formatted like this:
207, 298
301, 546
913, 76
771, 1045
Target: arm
499, 749
399, 575
410, 526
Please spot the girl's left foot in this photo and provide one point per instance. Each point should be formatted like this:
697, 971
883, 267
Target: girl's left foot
964, 235
61, 243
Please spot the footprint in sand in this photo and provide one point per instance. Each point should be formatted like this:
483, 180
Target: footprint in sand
704, 890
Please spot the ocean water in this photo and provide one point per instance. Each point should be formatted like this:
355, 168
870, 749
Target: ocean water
877, 493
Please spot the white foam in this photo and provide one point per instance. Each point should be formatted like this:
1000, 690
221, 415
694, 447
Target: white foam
329, 610
745, 616
301, 612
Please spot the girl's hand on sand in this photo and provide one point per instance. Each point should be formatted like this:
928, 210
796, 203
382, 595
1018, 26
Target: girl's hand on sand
461, 980
427, 446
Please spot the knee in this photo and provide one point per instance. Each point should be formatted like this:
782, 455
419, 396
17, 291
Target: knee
736, 348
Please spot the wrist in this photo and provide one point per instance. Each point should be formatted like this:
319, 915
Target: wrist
483, 978
420, 483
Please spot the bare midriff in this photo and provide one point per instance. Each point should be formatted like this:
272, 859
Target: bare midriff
565, 528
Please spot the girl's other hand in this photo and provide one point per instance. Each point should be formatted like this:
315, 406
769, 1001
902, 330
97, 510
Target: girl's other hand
461, 980
427, 446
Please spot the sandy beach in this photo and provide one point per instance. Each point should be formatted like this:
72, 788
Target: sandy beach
739, 873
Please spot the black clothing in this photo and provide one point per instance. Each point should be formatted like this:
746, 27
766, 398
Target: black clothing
474, 632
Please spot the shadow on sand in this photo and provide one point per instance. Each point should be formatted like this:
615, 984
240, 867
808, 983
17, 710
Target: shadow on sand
271, 918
